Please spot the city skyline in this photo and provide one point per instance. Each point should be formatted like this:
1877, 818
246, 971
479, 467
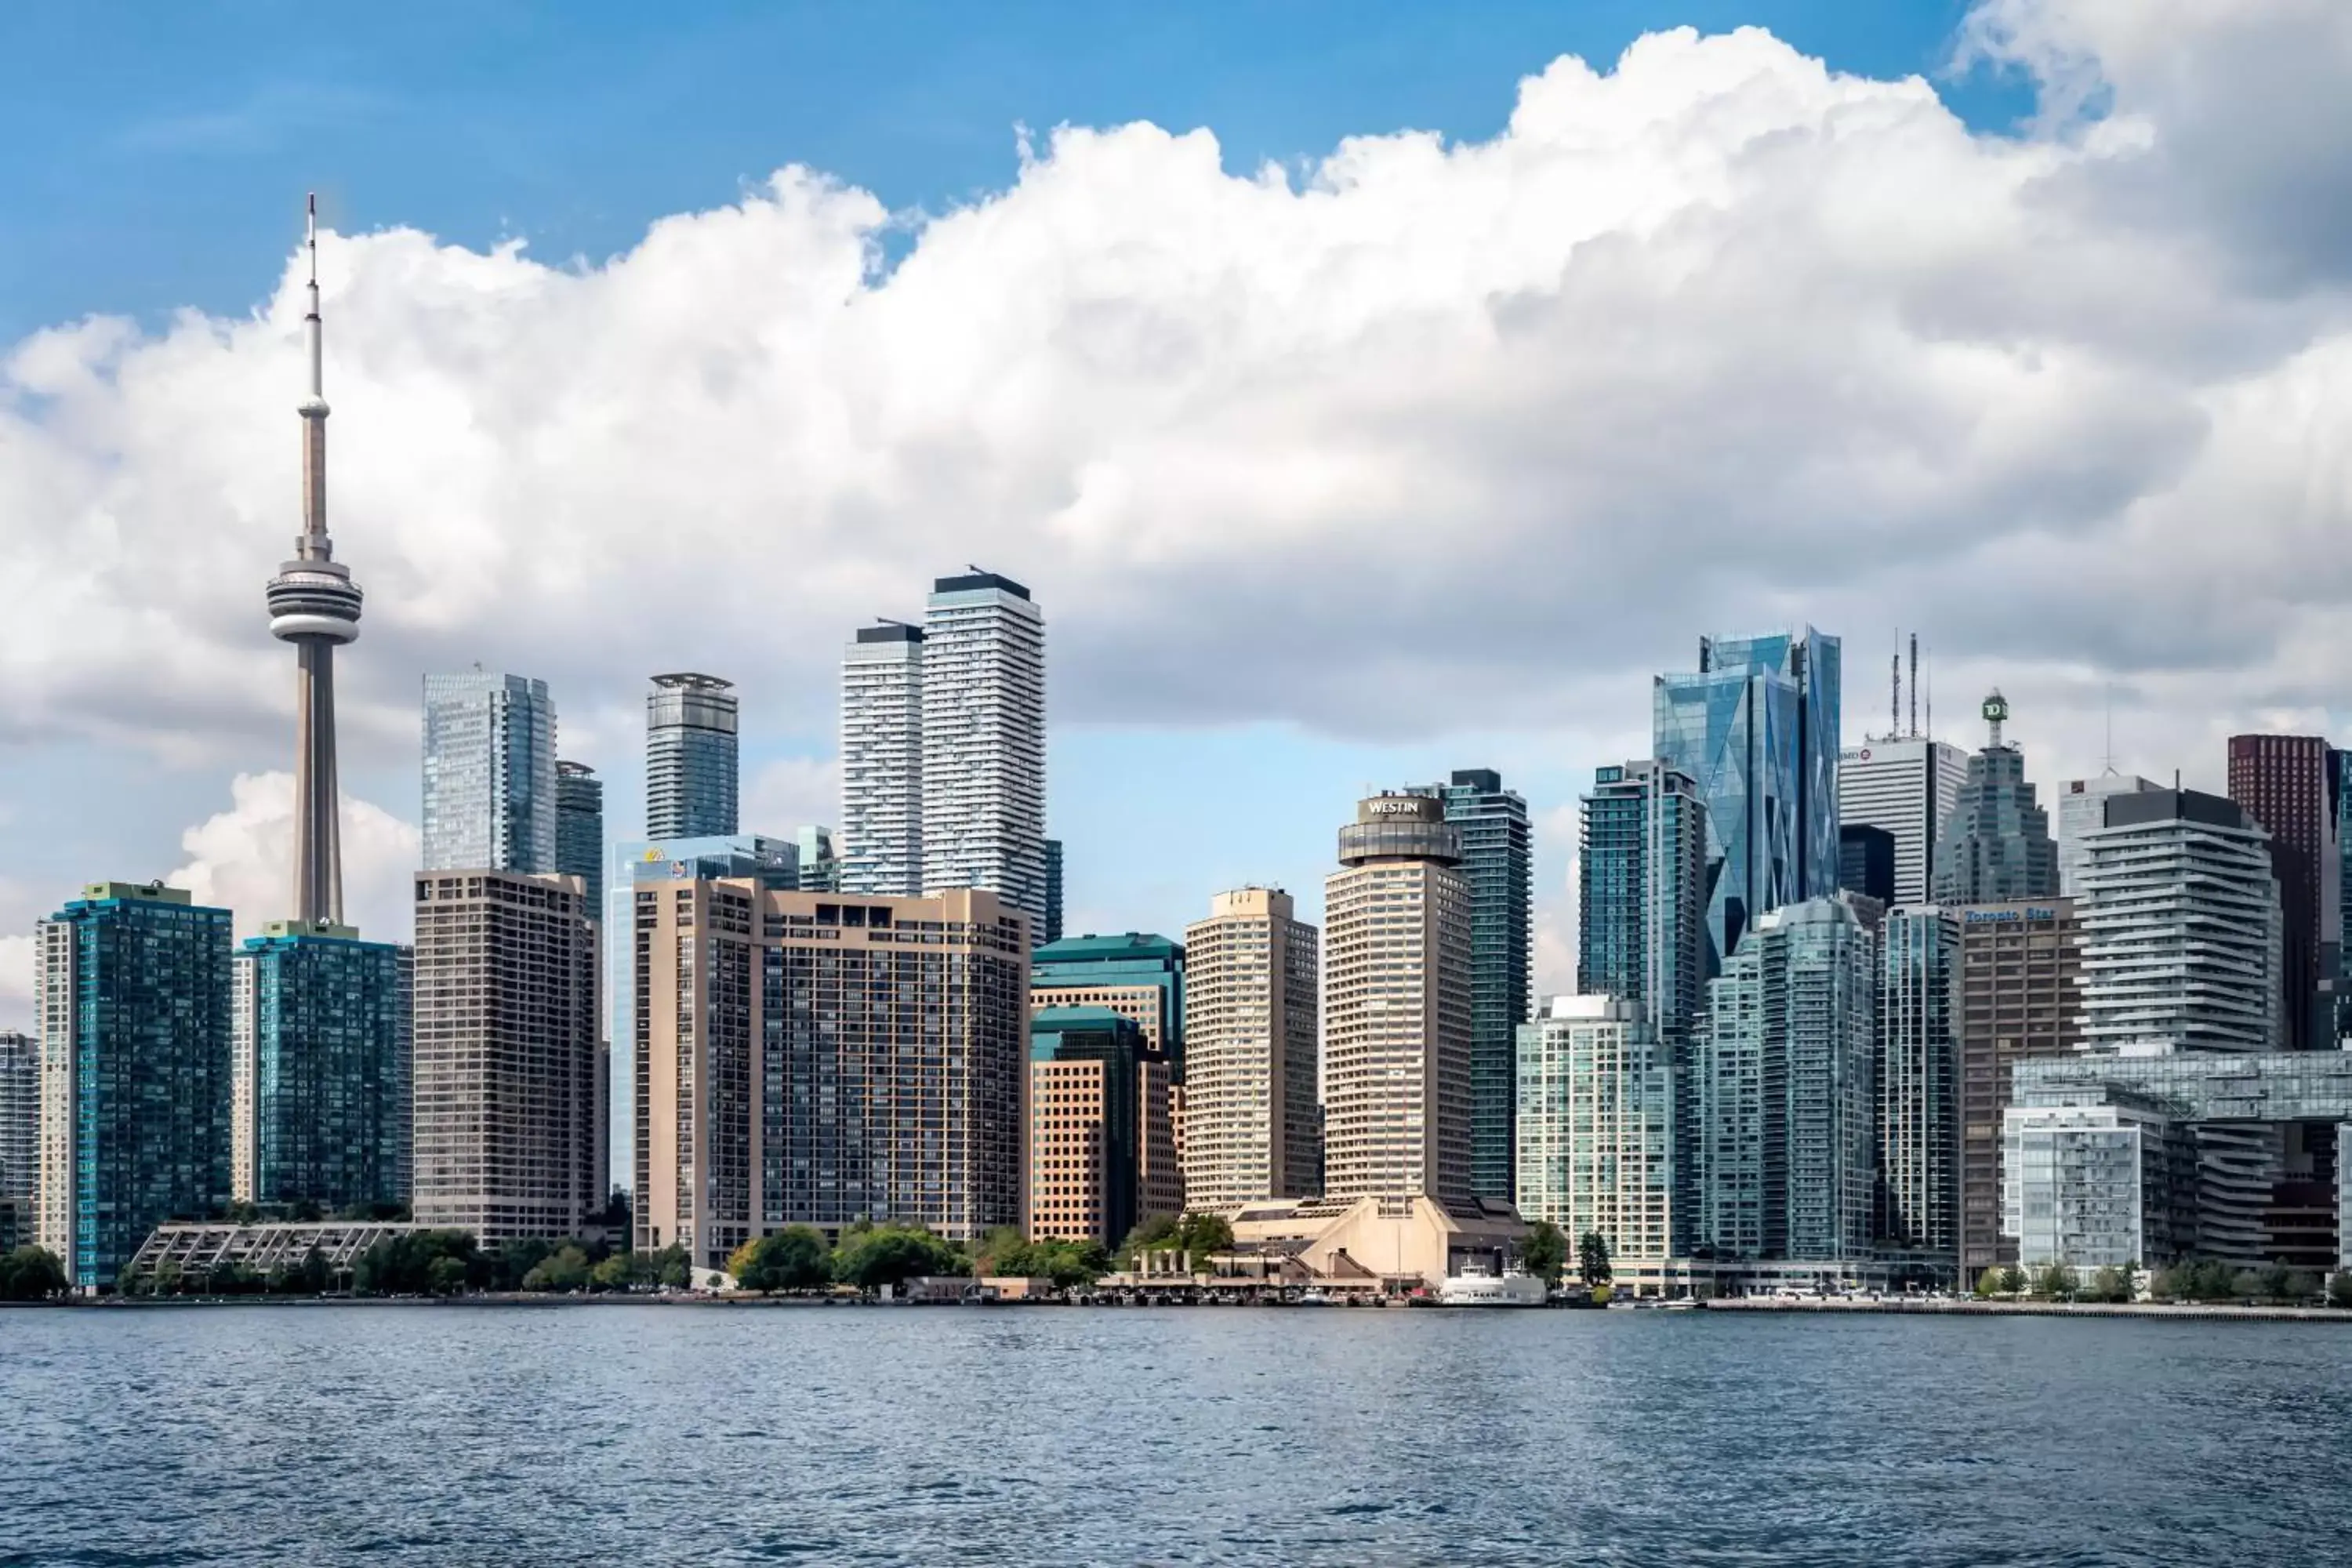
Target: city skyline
1156, 711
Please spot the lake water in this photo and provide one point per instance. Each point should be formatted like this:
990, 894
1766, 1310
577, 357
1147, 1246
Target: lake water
651, 1434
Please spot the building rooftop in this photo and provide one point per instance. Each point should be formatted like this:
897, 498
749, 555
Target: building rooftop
1091, 947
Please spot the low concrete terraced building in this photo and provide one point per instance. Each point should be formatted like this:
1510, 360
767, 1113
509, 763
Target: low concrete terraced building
196, 1250
820, 1058
1388, 1245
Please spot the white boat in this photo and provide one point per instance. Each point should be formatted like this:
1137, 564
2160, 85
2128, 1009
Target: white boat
1491, 1290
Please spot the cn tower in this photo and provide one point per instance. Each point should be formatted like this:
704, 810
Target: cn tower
314, 605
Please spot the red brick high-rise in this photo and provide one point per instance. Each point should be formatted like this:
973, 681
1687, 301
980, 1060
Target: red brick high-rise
2289, 783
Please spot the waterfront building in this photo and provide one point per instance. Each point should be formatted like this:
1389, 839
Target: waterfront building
2020, 999
580, 830
818, 1058
1783, 1074
1866, 862
2106, 1185
1051, 930
1996, 845
1396, 1006
1916, 1077
1642, 893
20, 1118
1138, 974
320, 1069
983, 789
692, 785
1756, 727
490, 772
513, 1116
2293, 785
1907, 786
131, 992
1498, 864
1368, 1248
1252, 1125
882, 762
1597, 1133
2083, 809
1101, 1152
819, 863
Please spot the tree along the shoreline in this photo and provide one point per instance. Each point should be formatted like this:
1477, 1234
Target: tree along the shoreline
1068, 1263
1544, 1254
31, 1274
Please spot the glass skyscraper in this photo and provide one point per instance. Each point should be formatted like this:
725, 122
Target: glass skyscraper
1052, 928
1996, 847
692, 790
20, 1118
882, 761
1139, 975
1757, 726
983, 758
1642, 893
1916, 1081
489, 773
1499, 862
132, 989
320, 1069
579, 830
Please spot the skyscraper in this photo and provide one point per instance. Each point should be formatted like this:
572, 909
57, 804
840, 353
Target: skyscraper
315, 605
817, 1059
1907, 785
820, 867
882, 762
1642, 893
1098, 1132
1756, 727
320, 1069
1788, 1114
2083, 809
579, 831
1397, 1008
1866, 862
1996, 847
20, 1118
692, 790
1138, 974
132, 991
1597, 1136
1051, 930
1916, 1077
983, 789
490, 798
2293, 787
1498, 863
512, 1117
1251, 1126
2020, 996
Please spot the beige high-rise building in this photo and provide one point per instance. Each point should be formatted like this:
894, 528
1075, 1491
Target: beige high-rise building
1101, 1155
1397, 1006
511, 1113
1251, 1126
819, 1058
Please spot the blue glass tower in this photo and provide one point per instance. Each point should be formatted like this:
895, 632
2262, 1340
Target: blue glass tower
1758, 727
491, 801
322, 1063
691, 785
1499, 862
133, 998
1138, 974
579, 831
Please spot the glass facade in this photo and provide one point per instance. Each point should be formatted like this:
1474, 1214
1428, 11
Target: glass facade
489, 773
133, 999
20, 1118
984, 743
1050, 929
330, 1064
1499, 862
1106, 1167
2097, 1187
1136, 962
1997, 847
1916, 1081
691, 788
1596, 1117
1758, 727
579, 830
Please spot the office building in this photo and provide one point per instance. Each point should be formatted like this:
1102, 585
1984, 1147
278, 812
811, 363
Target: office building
692, 785
818, 1058
1136, 974
1906, 786
1787, 1111
1498, 863
1866, 862
2083, 809
580, 830
512, 1114
820, 861
2293, 787
1756, 727
984, 741
490, 772
1396, 1006
1996, 847
320, 1069
2020, 999
882, 762
2342, 763
132, 991
1916, 1077
1253, 1128
20, 1118
1642, 893
1597, 1135
1101, 1154
1052, 928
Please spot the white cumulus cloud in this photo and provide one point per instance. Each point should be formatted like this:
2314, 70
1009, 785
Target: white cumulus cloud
243, 859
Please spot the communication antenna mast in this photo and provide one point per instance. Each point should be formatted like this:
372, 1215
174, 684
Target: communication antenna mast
1895, 692
1915, 691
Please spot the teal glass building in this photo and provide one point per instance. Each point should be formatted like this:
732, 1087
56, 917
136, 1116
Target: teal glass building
323, 1069
132, 993
1499, 862
1099, 1035
1086, 967
1757, 726
579, 831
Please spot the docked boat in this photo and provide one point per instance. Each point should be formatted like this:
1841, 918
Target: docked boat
1492, 1290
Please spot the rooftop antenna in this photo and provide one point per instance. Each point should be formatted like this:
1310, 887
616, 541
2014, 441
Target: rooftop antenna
1915, 689
1894, 689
